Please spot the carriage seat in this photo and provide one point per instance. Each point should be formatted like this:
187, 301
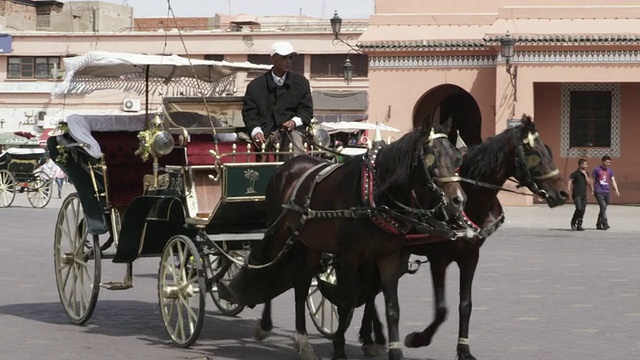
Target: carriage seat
125, 170
200, 145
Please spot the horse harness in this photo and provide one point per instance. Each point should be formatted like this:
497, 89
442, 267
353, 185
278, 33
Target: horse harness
412, 223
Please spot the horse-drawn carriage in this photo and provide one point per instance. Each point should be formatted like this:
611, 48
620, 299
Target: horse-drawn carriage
177, 183
19, 174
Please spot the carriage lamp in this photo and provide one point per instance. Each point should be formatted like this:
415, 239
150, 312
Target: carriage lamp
163, 143
347, 71
508, 51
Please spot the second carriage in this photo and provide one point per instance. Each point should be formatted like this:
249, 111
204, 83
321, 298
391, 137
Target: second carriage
20, 173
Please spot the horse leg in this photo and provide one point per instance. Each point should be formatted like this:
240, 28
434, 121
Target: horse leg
467, 271
348, 290
420, 339
391, 268
371, 324
265, 325
301, 291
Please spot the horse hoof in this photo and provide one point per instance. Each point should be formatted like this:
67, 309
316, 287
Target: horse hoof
464, 353
395, 354
260, 334
410, 340
371, 350
304, 349
466, 356
306, 353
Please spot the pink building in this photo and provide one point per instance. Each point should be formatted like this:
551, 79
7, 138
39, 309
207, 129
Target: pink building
575, 70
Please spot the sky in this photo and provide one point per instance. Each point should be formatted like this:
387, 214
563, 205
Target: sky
347, 9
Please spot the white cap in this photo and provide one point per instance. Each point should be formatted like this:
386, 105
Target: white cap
282, 48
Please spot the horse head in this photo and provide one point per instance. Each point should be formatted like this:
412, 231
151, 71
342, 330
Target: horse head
441, 161
534, 167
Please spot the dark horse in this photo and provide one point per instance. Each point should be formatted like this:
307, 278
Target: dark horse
515, 153
365, 210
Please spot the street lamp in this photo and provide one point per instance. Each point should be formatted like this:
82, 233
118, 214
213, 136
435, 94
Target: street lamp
347, 71
508, 51
347, 67
336, 23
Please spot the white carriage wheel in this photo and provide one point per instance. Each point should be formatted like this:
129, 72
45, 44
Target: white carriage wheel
77, 266
324, 314
181, 290
219, 263
7, 188
40, 190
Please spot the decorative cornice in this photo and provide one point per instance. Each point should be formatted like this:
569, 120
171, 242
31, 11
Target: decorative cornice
416, 62
426, 45
565, 39
576, 57
494, 40
522, 57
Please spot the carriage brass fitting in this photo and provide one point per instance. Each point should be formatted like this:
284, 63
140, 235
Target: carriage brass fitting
277, 147
306, 146
214, 154
156, 123
290, 147
233, 148
263, 147
248, 147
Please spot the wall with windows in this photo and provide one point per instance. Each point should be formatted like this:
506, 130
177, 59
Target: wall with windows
571, 140
28, 74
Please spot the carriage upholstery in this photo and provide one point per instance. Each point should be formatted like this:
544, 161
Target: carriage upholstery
125, 170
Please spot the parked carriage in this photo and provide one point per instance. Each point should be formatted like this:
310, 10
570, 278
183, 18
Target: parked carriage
178, 184
19, 174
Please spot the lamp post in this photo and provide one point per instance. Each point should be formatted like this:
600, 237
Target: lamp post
347, 67
508, 51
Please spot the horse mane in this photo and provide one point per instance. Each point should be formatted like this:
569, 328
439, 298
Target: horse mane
483, 161
395, 162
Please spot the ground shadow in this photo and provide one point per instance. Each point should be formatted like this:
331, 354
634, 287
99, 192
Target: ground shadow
221, 336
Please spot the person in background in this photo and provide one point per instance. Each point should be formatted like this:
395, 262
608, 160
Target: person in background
59, 177
603, 179
579, 180
277, 105
48, 167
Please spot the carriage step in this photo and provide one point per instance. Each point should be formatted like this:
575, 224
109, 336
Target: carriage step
115, 285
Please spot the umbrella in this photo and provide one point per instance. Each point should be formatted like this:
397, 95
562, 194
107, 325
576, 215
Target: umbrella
352, 126
101, 70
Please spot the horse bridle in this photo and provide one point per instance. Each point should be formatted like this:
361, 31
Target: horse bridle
433, 182
441, 179
521, 164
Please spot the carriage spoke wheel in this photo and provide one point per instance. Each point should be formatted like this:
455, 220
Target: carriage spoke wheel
230, 271
40, 189
7, 188
324, 314
181, 290
77, 266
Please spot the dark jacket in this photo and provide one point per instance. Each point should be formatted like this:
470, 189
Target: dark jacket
268, 106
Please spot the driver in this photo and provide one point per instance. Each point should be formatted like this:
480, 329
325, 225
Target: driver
278, 103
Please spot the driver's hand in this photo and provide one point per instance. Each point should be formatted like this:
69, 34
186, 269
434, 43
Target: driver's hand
289, 125
259, 139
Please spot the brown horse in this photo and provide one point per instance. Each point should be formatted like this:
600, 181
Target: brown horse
519, 153
365, 210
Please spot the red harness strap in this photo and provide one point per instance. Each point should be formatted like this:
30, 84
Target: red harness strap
382, 221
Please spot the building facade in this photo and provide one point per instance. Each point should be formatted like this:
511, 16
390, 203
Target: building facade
32, 64
575, 70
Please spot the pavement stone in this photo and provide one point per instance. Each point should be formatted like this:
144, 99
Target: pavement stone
541, 291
